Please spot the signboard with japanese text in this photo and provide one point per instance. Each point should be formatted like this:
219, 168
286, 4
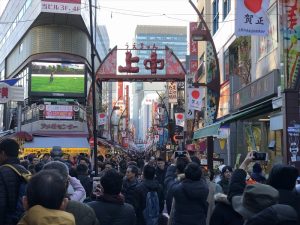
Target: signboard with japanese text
59, 112
252, 18
179, 119
193, 49
11, 93
62, 6
172, 92
195, 96
102, 118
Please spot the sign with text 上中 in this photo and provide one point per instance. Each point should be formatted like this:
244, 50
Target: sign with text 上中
61, 6
59, 112
252, 18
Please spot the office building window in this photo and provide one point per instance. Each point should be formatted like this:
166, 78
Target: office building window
226, 7
215, 15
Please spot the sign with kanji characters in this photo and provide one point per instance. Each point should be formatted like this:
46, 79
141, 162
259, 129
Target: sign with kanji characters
58, 112
61, 6
195, 96
252, 18
11, 93
102, 119
179, 119
172, 92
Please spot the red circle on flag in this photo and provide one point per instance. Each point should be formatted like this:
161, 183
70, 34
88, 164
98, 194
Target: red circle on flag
102, 115
195, 94
180, 116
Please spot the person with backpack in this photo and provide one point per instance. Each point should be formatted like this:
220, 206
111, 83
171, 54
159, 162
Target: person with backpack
149, 198
13, 182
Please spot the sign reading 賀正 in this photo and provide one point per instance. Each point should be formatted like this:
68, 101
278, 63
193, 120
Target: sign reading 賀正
61, 6
252, 17
11, 93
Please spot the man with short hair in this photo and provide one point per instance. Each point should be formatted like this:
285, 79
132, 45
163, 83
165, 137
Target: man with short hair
130, 182
10, 182
161, 170
148, 184
45, 200
83, 214
110, 208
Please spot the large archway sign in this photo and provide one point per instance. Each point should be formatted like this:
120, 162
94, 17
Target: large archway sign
161, 64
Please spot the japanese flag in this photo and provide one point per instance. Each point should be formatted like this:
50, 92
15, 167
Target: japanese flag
156, 138
252, 18
195, 96
101, 119
179, 118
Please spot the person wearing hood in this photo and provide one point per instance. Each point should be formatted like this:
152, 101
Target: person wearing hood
148, 184
45, 201
283, 178
190, 198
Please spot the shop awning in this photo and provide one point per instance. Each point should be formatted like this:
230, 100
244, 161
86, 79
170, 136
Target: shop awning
213, 130
69, 145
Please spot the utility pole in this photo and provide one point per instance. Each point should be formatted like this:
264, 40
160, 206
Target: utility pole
93, 89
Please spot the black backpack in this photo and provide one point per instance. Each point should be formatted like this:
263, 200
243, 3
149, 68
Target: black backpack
16, 215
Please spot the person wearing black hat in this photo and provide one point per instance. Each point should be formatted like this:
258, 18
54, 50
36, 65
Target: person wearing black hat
283, 178
225, 178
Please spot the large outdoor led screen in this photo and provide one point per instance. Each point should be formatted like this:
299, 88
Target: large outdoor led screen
57, 79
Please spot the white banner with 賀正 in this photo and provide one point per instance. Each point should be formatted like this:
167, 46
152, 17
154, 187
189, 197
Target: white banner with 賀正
195, 96
252, 18
172, 92
102, 119
179, 119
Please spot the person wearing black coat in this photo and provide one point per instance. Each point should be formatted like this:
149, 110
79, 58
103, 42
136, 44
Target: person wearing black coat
190, 198
84, 178
130, 183
283, 178
9, 181
110, 208
276, 214
223, 213
147, 184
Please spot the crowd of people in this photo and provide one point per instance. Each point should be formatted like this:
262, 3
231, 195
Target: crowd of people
59, 189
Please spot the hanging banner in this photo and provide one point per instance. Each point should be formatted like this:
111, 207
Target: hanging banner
59, 112
190, 114
252, 18
156, 138
172, 92
179, 118
11, 93
102, 119
195, 96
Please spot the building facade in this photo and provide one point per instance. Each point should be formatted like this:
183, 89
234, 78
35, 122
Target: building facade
46, 44
259, 92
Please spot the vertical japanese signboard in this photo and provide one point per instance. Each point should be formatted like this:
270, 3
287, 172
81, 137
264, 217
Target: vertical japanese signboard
193, 50
252, 18
61, 6
172, 92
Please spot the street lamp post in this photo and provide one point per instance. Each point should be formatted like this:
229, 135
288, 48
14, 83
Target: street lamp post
93, 89
203, 34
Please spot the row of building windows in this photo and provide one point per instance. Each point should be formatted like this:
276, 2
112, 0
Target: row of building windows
226, 10
16, 21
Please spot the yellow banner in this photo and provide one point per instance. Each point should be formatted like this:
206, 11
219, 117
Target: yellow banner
71, 151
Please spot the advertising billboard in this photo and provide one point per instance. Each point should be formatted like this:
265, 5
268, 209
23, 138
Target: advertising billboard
61, 6
57, 79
